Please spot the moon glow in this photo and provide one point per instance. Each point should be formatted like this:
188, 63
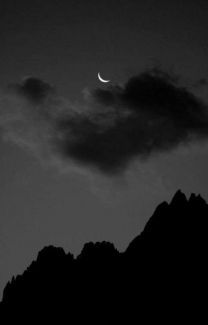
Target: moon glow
101, 79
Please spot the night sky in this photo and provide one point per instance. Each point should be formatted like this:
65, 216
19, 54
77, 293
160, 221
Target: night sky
81, 160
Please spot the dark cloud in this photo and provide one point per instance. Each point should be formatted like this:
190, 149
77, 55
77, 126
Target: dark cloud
33, 89
149, 114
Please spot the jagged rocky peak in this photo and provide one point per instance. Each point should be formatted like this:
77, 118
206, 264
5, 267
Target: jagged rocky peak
177, 219
99, 248
179, 198
197, 199
50, 251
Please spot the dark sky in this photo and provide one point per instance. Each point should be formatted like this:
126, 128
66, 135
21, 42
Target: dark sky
105, 182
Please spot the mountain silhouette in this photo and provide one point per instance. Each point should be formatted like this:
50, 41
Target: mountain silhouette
161, 277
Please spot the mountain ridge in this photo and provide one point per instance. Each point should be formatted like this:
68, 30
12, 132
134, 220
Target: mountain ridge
172, 245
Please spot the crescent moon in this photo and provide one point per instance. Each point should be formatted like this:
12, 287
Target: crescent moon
101, 79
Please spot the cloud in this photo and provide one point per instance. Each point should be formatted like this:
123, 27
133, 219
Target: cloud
113, 126
35, 90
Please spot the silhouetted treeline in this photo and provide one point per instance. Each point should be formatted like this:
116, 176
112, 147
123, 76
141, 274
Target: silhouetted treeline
160, 278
